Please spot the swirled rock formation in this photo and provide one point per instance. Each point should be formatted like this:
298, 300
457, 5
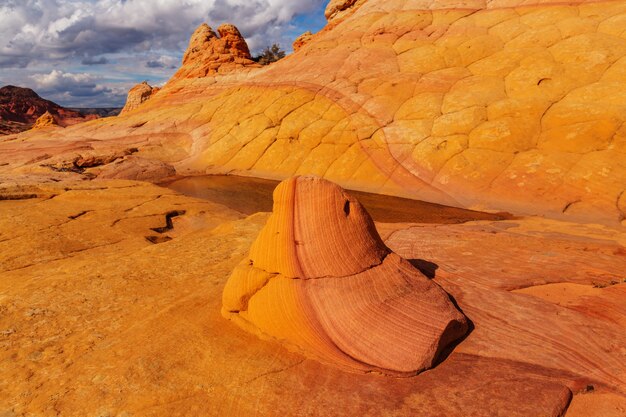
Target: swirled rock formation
138, 95
210, 54
320, 279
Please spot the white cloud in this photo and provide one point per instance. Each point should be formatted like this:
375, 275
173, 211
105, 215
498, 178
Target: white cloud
56, 79
66, 87
54, 29
51, 39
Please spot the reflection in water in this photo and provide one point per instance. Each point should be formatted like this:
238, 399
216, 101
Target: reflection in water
250, 195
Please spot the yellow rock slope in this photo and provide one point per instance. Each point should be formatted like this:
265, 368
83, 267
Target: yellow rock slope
504, 104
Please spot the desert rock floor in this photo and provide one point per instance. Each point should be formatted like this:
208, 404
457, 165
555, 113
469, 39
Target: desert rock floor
110, 297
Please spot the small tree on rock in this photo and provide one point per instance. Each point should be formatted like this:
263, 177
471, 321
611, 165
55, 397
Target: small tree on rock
270, 54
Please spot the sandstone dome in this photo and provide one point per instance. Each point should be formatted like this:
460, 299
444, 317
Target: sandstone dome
320, 280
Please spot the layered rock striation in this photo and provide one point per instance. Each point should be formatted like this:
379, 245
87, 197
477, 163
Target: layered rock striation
338, 8
320, 280
503, 105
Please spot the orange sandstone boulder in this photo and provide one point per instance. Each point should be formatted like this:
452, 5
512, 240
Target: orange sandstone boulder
337, 8
137, 95
302, 40
320, 280
209, 54
45, 120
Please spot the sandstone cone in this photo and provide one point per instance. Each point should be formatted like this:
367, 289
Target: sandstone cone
320, 280
210, 54
45, 120
138, 95
302, 40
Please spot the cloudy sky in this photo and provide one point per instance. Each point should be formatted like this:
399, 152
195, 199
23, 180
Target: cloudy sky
88, 53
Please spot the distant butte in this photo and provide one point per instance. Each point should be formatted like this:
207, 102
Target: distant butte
21, 107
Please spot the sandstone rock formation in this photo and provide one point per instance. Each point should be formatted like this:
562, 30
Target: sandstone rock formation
137, 95
84, 282
111, 290
21, 107
320, 279
499, 273
45, 120
209, 54
302, 40
337, 8
136, 168
487, 105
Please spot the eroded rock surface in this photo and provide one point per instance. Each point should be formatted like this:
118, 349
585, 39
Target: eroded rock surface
500, 105
336, 8
137, 95
110, 303
302, 40
45, 120
210, 54
320, 279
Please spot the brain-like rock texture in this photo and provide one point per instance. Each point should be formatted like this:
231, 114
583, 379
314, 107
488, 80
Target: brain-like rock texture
45, 120
137, 95
320, 280
209, 53
506, 105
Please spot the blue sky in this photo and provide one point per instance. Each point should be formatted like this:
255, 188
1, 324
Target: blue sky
88, 53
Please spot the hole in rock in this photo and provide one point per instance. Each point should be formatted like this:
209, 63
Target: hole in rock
346, 207
158, 239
